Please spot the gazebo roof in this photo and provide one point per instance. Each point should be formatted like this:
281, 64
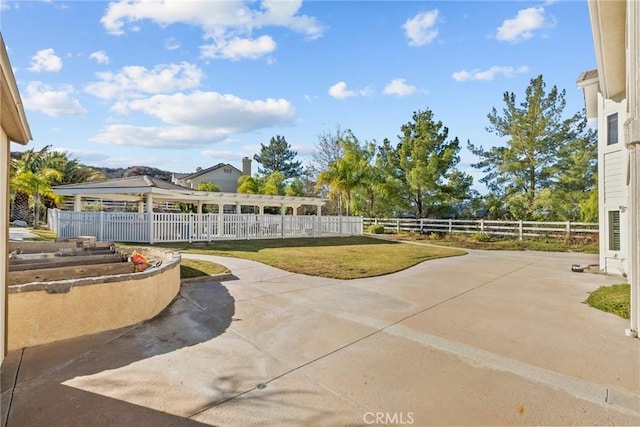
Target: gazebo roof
134, 188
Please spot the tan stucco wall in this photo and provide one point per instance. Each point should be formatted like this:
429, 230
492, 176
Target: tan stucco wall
38, 317
4, 231
227, 182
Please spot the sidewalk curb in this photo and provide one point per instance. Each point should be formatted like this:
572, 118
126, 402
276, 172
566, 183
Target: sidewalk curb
213, 278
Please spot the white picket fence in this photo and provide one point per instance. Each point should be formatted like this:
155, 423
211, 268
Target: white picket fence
136, 227
520, 229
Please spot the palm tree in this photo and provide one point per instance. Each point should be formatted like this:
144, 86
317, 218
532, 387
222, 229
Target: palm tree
350, 171
30, 161
72, 172
37, 184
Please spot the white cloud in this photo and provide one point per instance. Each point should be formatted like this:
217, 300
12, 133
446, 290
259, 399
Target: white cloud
133, 81
157, 136
399, 87
523, 26
83, 155
42, 97
340, 91
230, 24
239, 48
420, 30
46, 60
171, 44
100, 56
196, 119
489, 74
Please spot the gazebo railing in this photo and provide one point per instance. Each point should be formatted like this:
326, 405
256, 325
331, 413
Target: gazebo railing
178, 227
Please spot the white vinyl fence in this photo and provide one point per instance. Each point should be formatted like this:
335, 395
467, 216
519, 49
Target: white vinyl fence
520, 229
178, 227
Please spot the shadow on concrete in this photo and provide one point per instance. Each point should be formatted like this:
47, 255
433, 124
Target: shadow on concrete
260, 244
31, 379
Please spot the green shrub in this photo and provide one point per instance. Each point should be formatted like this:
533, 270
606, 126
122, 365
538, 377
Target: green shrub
480, 237
375, 229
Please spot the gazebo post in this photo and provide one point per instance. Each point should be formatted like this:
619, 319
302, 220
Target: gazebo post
282, 212
200, 207
238, 208
77, 203
150, 214
220, 219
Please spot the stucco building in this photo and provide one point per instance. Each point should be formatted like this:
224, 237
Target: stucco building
224, 175
13, 127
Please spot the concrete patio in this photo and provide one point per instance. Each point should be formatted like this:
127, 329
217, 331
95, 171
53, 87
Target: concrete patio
490, 338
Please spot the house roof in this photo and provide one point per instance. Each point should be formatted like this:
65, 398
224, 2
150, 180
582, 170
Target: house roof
12, 117
131, 182
211, 169
589, 82
135, 187
586, 76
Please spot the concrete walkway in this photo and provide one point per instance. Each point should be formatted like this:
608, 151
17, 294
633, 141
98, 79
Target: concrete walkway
491, 338
20, 233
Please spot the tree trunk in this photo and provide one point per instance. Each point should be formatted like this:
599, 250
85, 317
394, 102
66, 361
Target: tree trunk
20, 207
36, 210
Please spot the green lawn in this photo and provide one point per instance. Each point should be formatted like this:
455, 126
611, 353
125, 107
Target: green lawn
470, 241
43, 234
614, 299
197, 268
334, 257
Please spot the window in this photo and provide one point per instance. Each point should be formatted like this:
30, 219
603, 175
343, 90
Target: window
612, 129
614, 230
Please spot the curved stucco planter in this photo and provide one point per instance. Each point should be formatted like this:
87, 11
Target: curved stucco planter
43, 312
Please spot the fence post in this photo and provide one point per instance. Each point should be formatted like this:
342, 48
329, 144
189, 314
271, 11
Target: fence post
481, 225
101, 227
150, 226
568, 237
450, 225
421, 225
398, 225
520, 229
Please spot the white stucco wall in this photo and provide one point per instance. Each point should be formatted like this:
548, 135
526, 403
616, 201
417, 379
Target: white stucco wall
613, 171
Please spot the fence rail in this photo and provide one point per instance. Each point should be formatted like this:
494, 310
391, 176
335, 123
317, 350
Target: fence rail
520, 229
178, 227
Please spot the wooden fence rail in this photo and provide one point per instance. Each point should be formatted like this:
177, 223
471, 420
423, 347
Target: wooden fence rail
520, 229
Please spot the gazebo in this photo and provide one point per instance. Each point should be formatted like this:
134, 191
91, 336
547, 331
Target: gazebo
150, 224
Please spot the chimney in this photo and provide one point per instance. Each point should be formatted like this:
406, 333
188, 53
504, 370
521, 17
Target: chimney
246, 166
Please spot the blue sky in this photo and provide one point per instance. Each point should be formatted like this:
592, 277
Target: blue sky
182, 84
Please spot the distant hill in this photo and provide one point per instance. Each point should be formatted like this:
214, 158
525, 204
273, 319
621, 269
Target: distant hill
112, 173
